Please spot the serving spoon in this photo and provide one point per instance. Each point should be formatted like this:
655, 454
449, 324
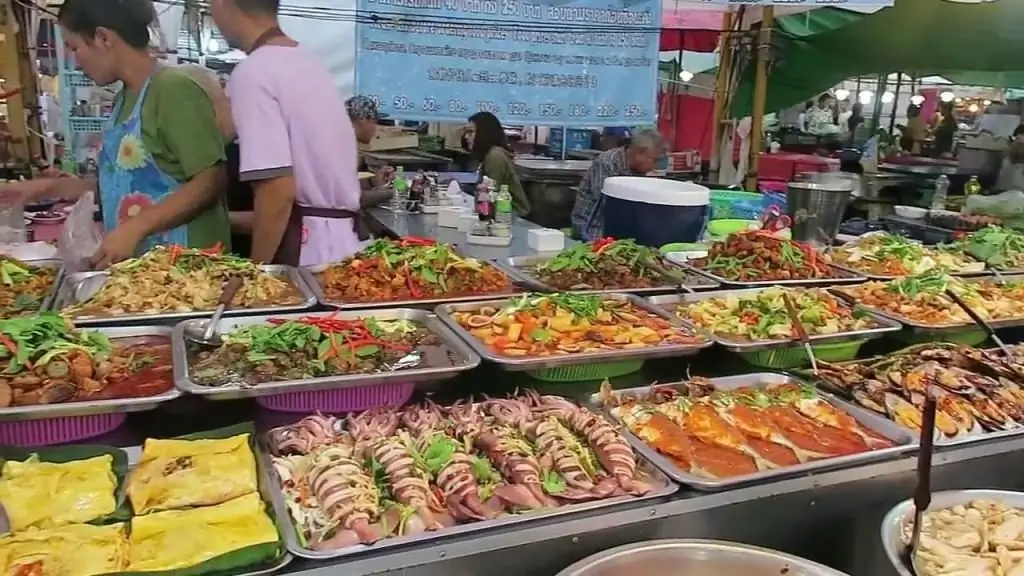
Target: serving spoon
923, 490
205, 332
798, 326
989, 331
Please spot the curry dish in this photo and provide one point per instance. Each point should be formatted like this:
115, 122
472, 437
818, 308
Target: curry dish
604, 264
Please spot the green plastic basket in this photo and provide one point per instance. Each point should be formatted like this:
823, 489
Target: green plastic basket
796, 357
971, 337
582, 372
735, 204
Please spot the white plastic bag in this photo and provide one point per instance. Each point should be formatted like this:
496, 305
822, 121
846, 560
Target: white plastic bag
80, 237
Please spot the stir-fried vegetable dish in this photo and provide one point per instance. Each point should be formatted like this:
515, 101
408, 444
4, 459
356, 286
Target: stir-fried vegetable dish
46, 361
728, 433
763, 316
759, 256
23, 287
410, 269
175, 279
315, 347
560, 324
604, 264
999, 248
402, 471
922, 299
884, 254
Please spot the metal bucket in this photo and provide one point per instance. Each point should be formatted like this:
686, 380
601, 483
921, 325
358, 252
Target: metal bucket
816, 203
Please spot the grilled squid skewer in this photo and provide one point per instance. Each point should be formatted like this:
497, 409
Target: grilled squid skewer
347, 494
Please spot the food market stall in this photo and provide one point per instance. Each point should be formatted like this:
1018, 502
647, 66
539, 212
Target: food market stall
689, 461
550, 185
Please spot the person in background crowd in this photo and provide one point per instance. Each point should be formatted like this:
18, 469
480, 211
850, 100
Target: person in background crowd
913, 136
945, 131
821, 119
614, 137
364, 115
1011, 174
637, 158
298, 147
801, 121
161, 163
489, 148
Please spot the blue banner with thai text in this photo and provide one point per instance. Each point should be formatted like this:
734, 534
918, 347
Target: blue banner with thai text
542, 62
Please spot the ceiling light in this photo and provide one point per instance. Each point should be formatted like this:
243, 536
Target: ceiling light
888, 97
916, 99
947, 96
686, 75
865, 97
987, 102
973, 108
842, 94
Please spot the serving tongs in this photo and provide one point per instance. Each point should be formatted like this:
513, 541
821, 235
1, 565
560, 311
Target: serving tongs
989, 331
923, 491
798, 326
204, 332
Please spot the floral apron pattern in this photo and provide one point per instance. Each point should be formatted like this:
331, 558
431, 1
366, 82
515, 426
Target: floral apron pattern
130, 180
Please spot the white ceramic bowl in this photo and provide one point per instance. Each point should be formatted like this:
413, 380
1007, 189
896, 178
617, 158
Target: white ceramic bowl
911, 212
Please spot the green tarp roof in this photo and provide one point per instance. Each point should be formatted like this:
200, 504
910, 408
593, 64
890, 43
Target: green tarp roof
822, 47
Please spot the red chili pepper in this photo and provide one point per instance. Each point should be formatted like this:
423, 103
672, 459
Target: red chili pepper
9, 344
416, 241
214, 250
173, 252
601, 243
409, 282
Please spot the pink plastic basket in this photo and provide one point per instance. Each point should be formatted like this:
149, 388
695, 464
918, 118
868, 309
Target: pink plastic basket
340, 401
29, 433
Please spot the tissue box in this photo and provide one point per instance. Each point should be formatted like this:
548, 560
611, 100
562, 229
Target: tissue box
448, 216
545, 240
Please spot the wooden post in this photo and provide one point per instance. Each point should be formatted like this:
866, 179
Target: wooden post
723, 82
896, 102
12, 70
764, 46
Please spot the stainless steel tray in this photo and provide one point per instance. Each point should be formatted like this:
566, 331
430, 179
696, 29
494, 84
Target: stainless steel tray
51, 294
903, 513
667, 302
79, 286
906, 442
94, 407
681, 557
839, 276
309, 276
521, 363
287, 527
520, 265
466, 358
881, 278
921, 328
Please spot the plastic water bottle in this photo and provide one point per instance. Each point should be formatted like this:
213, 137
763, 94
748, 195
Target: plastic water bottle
941, 191
400, 200
503, 206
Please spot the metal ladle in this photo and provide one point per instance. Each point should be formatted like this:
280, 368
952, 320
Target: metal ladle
205, 332
923, 490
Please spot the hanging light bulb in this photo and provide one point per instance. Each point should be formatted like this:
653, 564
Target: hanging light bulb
947, 96
987, 102
865, 97
842, 94
888, 97
973, 108
916, 99
686, 75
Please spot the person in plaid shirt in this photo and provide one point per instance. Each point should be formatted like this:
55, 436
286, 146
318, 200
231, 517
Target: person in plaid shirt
636, 158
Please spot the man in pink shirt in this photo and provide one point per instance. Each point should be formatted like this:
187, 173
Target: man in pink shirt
298, 148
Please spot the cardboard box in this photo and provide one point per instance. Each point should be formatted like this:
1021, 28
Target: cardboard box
391, 138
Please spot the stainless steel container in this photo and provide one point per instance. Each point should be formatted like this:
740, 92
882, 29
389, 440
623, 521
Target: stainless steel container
816, 203
695, 558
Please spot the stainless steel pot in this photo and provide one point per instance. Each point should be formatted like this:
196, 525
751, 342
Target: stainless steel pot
695, 558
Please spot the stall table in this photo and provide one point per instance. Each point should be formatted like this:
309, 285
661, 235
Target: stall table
409, 158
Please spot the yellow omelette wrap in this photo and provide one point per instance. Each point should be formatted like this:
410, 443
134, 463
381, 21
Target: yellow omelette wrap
49, 494
72, 550
181, 538
176, 474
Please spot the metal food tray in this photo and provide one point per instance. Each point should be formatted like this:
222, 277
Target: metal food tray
903, 513
134, 454
839, 276
466, 358
519, 266
906, 442
287, 527
78, 287
921, 328
881, 278
58, 278
525, 363
94, 407
885, 324
309, 276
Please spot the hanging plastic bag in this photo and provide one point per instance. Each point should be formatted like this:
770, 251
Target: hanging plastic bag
80, 237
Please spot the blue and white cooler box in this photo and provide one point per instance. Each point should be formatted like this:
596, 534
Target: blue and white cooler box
655, 211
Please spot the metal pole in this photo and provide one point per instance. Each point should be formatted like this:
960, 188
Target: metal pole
896, 102
764, 47
876, 110
723, 80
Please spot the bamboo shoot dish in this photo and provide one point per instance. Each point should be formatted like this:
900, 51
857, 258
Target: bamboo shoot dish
762, 315
923, 300
175, 279
975, 391
604, 264
410, 269
23, 287
560, 324
977, 538
719, 434
393, 472
760, 256
46, 361
884, 254
316, 347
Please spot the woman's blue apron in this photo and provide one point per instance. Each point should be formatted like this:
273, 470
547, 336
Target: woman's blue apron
129, 179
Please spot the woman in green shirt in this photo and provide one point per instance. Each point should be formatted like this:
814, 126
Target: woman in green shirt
489, 148
161, 170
